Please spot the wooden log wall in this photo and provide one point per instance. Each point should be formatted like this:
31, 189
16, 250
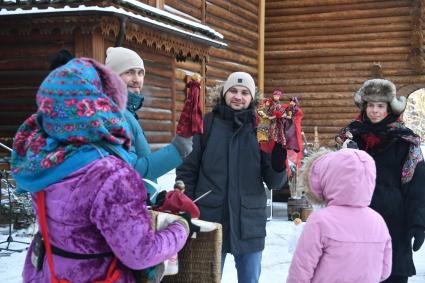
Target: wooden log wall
322, 51
238, 22
24, 63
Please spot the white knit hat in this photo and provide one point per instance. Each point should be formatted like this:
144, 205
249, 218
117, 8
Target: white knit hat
240, 79
121, 59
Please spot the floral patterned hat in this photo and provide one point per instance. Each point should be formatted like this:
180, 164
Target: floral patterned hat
79, 104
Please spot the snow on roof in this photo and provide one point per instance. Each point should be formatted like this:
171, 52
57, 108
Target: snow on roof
114, 10
167, 15
173, 17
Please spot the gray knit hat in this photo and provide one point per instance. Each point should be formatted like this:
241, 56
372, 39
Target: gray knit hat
240, 79
380, 90
121, 59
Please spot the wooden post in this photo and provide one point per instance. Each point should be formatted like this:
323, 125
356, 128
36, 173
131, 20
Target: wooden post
203, 12
204, 63
203, 83
261, 28
316, 144
160, 4
173, 97
98, 46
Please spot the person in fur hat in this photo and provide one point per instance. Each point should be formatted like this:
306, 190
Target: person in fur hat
346, 241
131, 69
400, 184
233, 167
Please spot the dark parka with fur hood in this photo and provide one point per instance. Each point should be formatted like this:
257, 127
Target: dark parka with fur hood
232, 166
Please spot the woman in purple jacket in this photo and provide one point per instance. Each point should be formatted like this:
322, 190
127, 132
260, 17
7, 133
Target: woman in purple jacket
95, 201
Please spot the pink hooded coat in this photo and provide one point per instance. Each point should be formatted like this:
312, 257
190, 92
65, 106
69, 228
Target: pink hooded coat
346, 242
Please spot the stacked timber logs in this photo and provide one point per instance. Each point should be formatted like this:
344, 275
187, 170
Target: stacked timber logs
322, 51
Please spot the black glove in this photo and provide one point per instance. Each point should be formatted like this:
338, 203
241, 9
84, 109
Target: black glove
192, 227
160, 198
418, 233
278, 158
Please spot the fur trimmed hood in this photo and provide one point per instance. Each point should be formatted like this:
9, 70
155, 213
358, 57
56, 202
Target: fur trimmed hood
380, 90
345, 177
305, 178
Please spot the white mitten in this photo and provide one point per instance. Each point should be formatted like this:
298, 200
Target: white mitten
164, 219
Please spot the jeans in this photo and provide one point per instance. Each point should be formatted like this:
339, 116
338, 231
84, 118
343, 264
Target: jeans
396, 279
248, 266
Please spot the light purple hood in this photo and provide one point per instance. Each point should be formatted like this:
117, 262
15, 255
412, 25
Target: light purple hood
345, 177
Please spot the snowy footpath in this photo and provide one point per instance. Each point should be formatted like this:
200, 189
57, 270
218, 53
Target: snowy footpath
277, 259
275, 264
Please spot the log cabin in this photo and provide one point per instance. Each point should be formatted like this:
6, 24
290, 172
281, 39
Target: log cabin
318, 50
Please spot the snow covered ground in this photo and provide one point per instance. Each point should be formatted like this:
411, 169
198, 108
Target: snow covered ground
276, 257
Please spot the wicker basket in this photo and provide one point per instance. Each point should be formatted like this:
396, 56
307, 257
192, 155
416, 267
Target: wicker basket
200, 259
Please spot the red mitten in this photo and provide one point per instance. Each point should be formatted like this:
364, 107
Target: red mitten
176, 202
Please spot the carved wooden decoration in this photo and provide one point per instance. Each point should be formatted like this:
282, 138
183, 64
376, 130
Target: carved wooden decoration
177, 46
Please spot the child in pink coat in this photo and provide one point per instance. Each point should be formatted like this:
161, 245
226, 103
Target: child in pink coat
346, 241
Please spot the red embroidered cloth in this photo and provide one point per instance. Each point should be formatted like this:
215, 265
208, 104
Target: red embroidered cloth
190, 121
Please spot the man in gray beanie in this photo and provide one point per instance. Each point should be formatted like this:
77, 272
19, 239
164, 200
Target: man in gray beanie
130, 67
227, 164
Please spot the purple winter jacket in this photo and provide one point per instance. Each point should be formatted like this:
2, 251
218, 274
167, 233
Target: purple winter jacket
97, 209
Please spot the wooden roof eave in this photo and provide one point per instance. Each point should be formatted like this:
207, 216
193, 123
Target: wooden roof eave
181, 43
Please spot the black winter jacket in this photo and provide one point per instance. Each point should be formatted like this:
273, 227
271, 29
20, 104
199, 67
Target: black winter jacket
401, 205
234, 168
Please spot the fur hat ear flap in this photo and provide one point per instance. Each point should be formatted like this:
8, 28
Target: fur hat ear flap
398, 104
358, 99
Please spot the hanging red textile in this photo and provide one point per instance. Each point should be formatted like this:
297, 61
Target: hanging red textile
190, 121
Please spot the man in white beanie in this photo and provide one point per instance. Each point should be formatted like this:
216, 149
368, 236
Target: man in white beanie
227, 162
130, 67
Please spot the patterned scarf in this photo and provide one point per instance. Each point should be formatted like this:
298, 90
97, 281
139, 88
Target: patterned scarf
79, 104
376, 137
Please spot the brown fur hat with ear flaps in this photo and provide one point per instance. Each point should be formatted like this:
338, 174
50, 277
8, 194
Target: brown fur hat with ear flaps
380, 90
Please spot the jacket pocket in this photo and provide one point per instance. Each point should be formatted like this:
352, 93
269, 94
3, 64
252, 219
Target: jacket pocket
253, 217
210, 206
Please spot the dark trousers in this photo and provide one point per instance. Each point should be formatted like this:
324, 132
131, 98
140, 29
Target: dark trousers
396, 279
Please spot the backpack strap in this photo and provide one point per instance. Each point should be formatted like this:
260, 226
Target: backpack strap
43, 226
113, 273
208, 122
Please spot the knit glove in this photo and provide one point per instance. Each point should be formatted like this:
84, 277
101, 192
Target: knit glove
278, 158
183, 145
164, 219
418, 233
192, 227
